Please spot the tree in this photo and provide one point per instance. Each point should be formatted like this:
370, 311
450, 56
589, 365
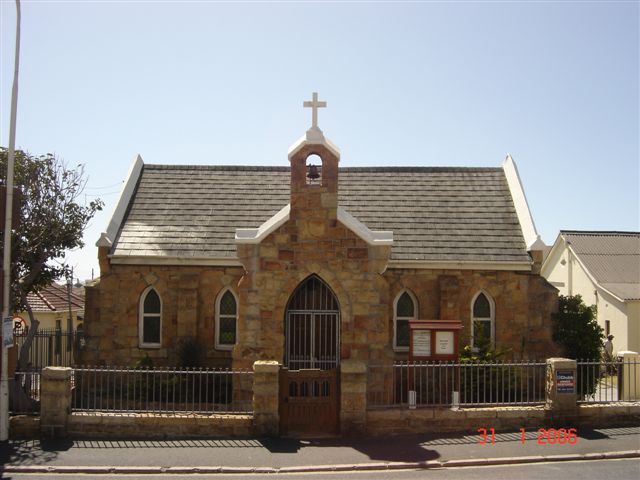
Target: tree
577, 331
52, 222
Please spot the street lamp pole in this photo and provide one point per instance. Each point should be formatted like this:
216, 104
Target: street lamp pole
6, 263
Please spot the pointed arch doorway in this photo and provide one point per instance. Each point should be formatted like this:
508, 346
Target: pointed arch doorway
309, 395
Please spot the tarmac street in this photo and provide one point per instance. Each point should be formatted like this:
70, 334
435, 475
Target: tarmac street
579, 470
298, 456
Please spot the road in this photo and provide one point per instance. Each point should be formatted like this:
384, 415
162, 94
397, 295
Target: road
579, 470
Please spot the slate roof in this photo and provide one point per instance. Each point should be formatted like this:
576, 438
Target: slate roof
436, 214
613, 258
54, 299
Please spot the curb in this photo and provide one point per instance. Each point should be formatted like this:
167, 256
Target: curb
359, 467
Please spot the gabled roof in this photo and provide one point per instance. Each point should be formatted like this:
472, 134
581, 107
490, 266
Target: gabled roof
612, 258
436, 214
54, 299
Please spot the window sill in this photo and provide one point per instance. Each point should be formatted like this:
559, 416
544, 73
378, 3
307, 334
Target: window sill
150, 346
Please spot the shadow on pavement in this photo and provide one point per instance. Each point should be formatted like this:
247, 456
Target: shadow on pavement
29, 452
387, 449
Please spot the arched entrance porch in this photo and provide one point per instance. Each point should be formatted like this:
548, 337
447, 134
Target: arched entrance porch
309, 393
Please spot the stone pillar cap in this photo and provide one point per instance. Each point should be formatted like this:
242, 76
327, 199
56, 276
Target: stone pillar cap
59, 373
266, 366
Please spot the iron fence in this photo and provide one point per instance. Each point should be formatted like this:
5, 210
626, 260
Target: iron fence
456, 384
51, 348
603, 382
159, 390
24, 393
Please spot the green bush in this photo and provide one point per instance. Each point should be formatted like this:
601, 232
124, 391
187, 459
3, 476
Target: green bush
577, 331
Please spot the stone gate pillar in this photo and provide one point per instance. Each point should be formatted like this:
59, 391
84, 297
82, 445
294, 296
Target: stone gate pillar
629, 376
562, 390
353, 397
55, 401
266, 390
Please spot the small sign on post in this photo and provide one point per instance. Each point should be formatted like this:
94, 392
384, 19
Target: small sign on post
7, 332
565, 381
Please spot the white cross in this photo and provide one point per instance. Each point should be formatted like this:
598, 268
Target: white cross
314, 105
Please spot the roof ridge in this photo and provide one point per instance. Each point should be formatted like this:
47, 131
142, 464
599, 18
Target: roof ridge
598, 232
276, 168
44, 299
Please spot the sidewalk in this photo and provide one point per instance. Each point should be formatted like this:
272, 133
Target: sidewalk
289, 455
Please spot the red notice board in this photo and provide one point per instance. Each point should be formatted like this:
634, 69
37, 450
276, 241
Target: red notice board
434, 339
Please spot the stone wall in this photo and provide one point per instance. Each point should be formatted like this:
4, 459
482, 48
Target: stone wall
158, 426
435, 420
524, 303
188, 297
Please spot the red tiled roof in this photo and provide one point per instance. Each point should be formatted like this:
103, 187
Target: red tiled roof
54, 298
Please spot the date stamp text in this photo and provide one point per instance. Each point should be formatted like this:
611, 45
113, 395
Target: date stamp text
545, 436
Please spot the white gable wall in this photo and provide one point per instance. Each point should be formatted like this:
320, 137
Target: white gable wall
612, 309
565, 272
633, 326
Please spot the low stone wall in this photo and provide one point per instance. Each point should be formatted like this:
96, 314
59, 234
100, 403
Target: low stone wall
609, 414
158, 425
398, 421
428, 420
378, 422
560, 410
24, 426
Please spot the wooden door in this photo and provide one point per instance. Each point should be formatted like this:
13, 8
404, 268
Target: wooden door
309, 402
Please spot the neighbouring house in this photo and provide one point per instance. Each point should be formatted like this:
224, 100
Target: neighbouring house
51, 307
604, 268
315, 266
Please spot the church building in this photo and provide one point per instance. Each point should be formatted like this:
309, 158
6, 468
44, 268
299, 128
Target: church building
313, 263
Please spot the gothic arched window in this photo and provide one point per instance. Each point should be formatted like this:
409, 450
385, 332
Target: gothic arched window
226, 319
405, 308
150, 319
482, 320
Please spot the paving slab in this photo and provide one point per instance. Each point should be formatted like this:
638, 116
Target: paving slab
270, 455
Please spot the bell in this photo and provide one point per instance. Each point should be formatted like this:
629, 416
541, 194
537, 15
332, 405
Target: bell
313, 172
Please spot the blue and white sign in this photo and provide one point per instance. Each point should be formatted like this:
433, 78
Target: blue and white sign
565, 381
7, 332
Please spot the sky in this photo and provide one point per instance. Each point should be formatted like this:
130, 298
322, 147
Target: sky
554, 84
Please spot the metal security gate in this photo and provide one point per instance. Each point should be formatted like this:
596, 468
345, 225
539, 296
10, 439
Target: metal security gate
312, 327
312, 340
309, 396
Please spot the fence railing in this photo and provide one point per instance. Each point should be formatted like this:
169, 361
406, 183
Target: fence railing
603, 382
456, 384
51, 348
160, 390
24, 392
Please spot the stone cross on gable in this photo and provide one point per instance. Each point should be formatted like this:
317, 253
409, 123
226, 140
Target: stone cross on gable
314, 105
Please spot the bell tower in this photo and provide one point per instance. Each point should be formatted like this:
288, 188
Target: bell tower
314, 171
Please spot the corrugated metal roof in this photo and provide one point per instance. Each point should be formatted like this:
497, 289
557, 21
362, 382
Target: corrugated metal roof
613, 258
54, 299
436, 214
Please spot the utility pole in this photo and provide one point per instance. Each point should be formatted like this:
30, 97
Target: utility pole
8, 220
69, 336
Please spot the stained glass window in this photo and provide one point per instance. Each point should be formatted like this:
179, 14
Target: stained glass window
151, 319
405, 310
482, 321
226, 320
